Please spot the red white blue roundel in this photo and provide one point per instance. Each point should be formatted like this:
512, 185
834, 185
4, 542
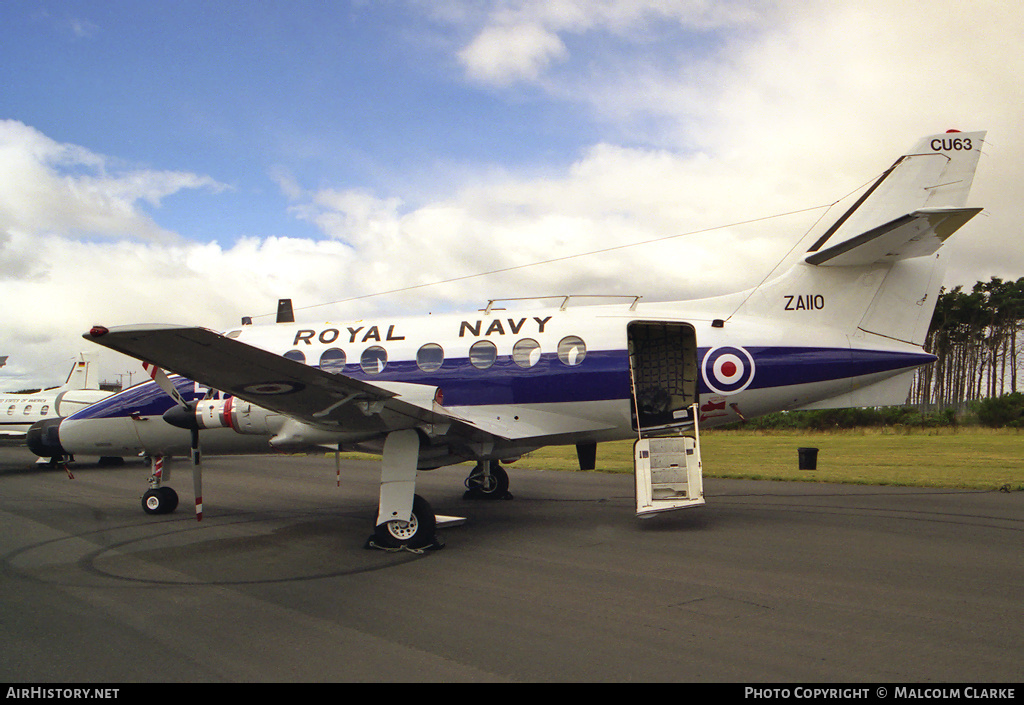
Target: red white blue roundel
728, 369
271, 388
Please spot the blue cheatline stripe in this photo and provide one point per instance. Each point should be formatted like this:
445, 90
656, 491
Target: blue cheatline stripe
603, 375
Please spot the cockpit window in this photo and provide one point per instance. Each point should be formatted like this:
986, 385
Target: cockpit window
483, 354
572, 350
430, 357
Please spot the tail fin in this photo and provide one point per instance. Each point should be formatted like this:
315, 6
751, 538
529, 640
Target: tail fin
85, 373
877, 270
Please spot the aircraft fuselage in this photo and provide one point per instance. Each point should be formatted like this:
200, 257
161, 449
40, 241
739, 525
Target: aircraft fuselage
533, 377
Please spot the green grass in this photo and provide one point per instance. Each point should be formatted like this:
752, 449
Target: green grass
965, 457
962, 458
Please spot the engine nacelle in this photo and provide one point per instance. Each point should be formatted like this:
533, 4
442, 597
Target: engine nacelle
238, 415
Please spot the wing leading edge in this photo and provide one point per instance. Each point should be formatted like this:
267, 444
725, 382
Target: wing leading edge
323, 400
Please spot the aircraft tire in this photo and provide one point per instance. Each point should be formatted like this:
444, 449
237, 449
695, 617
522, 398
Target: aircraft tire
162, 500
495, 487
416, 533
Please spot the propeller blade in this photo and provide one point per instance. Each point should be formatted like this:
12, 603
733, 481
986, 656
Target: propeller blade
164, 382
197, 474
186, 413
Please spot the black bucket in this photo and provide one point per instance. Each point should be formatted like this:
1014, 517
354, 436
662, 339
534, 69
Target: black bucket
808, 458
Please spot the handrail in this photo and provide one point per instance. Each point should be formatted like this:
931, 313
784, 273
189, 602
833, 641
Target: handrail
565, 299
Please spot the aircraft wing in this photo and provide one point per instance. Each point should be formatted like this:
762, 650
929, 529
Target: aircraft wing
333, 402
308, 394
913, 235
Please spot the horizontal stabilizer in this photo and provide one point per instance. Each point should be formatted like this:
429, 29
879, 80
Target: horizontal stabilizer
916, 234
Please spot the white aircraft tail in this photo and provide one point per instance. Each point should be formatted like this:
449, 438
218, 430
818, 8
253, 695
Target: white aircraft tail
85, 374
877, 270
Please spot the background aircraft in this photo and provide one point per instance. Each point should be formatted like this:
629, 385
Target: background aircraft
19, 411
842, 327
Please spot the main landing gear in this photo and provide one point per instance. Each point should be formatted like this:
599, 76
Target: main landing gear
419, 532
487, 481
404, 519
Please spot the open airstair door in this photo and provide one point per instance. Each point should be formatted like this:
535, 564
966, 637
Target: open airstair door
666, 455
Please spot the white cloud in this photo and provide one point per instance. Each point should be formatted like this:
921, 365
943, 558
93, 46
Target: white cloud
501, 55
770, 114
46, 186
791, 105
519, 41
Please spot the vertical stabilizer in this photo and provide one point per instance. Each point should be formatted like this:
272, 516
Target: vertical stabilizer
85, 374
877, 269
936, 173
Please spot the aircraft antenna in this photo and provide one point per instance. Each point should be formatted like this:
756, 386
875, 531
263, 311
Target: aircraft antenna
803, 238
565, 258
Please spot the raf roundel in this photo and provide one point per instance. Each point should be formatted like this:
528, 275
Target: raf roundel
728, 369
271, 388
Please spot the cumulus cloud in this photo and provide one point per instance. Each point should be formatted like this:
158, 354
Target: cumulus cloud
519, 41
796, 103
56, 200
46, 186
757, 112
502, 55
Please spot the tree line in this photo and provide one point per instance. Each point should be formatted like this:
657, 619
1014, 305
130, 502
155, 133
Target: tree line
975, 337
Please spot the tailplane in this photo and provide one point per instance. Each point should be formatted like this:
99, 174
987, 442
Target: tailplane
877, 269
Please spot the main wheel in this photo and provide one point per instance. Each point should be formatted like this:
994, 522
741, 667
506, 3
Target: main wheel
162, 500
418, 532
494, 485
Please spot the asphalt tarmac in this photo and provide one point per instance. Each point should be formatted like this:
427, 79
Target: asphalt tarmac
769, 582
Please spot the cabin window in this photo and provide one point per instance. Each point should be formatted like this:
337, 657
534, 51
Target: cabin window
45, 408
526, 353
333, 361
374, 360
296, 355
572, 350
10, 410
28, 410
430, 357
483, 354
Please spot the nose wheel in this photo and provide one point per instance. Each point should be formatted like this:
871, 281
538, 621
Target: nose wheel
160, 500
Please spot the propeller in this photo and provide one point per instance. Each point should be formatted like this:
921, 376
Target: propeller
183, 416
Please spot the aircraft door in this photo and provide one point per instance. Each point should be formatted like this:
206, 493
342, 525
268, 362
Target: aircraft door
663, 363
666, 456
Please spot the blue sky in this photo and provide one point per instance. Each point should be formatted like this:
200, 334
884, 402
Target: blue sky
236, 152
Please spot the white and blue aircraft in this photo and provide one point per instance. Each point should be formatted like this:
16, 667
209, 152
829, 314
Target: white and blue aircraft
20, 410
842, 328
